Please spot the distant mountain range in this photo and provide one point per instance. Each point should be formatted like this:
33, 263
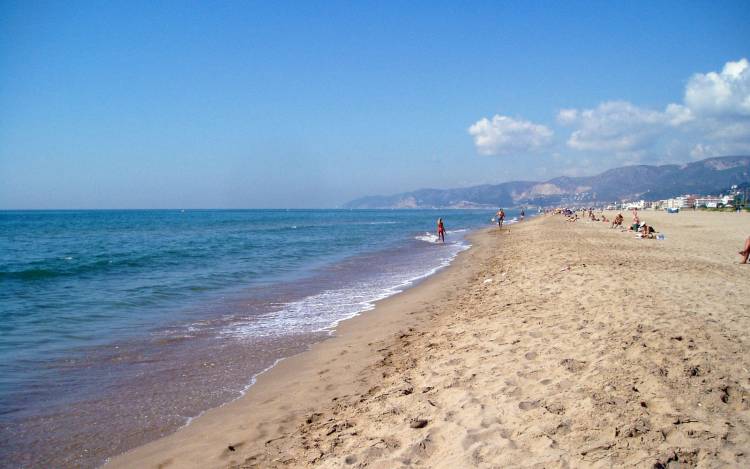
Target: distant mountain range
708, 176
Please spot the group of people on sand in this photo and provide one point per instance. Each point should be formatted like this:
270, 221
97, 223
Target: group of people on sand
593, 217
638, 226
644, 230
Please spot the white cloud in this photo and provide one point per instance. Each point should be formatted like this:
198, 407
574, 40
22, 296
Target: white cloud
701, 151
713, 119
567, 116
614, 126
504, 135
728, 131
715, 113
721, 94
678, 114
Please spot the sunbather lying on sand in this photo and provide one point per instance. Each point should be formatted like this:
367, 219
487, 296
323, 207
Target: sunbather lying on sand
647, 231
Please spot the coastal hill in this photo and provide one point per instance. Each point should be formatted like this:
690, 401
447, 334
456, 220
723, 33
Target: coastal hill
708, 176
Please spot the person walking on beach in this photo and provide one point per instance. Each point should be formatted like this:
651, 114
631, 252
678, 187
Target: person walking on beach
523, 213
441, 229
500, 217
745, 253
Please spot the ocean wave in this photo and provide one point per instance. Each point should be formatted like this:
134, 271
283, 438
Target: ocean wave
323, 311
30, 274
428, 237
65, 270
70, 266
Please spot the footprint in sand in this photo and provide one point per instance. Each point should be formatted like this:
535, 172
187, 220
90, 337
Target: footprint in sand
528, 405
555, 408
530, 355
574, 366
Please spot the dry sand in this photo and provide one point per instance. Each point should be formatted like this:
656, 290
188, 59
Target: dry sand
552, 344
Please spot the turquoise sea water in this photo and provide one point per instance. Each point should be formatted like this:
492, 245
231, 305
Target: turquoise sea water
96, 302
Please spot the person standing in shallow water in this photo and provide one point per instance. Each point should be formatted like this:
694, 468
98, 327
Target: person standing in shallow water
441, 229
523, 213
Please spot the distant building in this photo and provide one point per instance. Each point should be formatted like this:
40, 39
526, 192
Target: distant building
676, 202
711, 201
641, 204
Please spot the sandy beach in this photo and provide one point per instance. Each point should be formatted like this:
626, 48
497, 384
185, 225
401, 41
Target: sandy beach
549, 344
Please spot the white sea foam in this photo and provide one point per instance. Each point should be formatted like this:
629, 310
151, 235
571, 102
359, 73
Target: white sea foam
428, 237
323, 311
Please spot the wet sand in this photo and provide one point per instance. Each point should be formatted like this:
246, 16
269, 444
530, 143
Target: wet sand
552, 343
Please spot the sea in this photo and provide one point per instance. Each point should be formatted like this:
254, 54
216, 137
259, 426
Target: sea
118, 327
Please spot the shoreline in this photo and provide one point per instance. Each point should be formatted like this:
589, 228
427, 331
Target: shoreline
331, 330
552, 343
145, 383
346, 330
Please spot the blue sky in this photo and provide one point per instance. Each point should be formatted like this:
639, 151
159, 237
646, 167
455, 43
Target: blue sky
310, 104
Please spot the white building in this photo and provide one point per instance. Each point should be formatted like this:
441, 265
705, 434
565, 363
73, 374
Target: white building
635, 205
676, 202
712, 201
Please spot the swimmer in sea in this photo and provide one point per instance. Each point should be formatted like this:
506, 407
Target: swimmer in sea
441, 229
